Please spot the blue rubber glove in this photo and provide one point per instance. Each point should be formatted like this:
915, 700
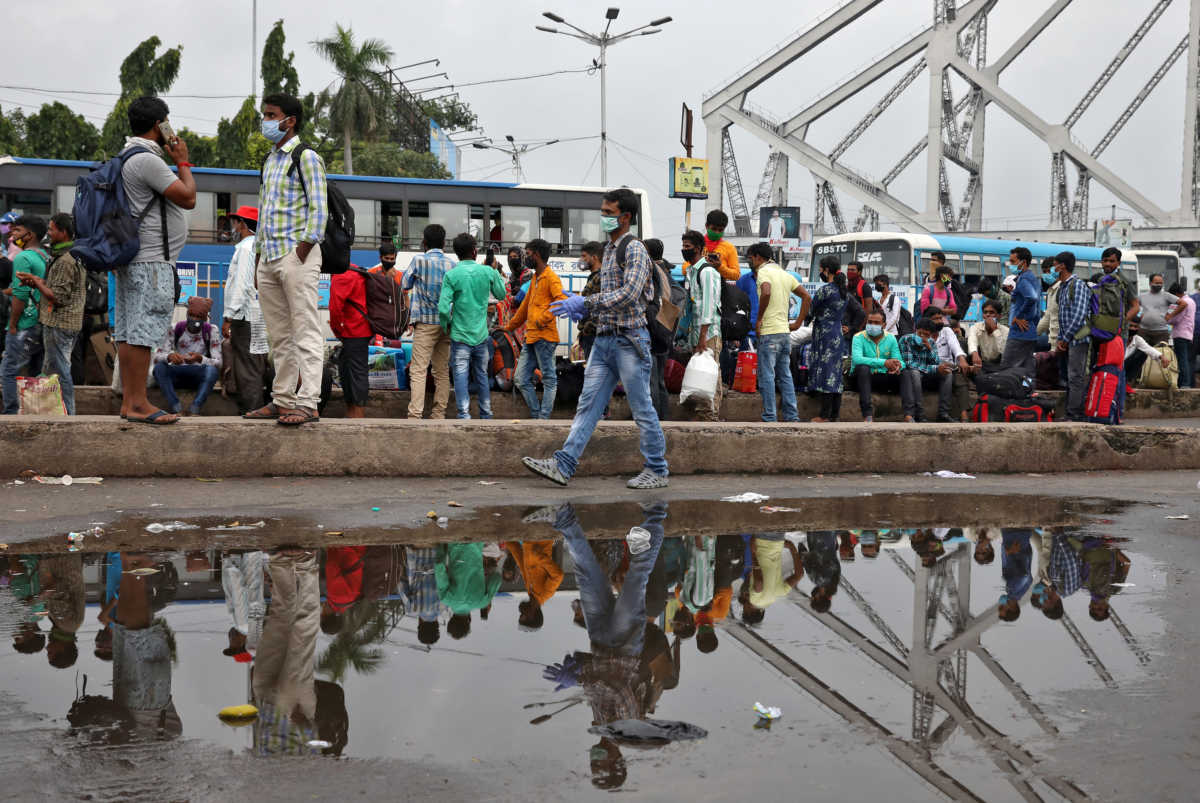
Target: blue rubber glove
565, 675
572, 307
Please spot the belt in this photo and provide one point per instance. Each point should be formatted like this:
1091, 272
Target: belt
613, 331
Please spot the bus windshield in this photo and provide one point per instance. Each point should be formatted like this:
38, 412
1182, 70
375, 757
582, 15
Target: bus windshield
1166, 264
890, 257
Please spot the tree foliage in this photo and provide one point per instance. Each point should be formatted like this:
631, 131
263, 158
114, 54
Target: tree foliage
235, 136
278, 72
12, 133
389, 159
55, 132
450, 113
142, 73
358, 106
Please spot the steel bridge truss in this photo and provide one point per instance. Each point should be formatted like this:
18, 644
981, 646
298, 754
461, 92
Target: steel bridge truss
956, 41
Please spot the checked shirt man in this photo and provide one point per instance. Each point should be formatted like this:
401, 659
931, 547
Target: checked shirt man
621, 352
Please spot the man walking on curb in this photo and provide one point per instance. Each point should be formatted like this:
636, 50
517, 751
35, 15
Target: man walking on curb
431, 344
621, 352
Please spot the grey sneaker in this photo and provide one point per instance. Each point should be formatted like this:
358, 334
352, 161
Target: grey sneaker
547, 468
647, 481
543, 515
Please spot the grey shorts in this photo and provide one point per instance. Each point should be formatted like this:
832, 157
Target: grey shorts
144, 304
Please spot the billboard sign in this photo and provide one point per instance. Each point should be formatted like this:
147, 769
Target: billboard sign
780, 226
445, 150
688, 178
1118, 232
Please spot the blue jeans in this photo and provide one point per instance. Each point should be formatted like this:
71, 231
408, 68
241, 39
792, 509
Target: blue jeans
540, 355
624, 359
615, 623
19, 348
775, 372
468, 366
59, 343
1183, 353
200, 377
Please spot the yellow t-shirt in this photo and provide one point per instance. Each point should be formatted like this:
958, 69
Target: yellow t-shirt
769, 554
775, 317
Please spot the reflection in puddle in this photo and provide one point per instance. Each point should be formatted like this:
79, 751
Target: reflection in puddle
380, 650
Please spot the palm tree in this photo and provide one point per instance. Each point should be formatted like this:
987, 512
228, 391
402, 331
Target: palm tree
359, 102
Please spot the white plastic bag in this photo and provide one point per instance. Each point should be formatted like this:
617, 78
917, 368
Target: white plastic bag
800, 336
700, 378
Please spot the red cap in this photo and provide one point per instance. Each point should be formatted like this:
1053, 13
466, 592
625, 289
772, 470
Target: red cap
243, 657
247, 213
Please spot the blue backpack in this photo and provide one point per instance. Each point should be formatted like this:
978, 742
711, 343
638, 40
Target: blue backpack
106, 232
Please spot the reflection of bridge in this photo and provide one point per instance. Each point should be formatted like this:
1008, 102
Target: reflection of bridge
953, 146
937, 674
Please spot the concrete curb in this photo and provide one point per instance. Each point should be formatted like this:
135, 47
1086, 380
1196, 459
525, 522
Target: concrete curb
231, 447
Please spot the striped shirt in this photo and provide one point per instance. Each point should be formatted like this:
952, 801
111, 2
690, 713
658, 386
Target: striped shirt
421, 584
624, 289
1074, 304
425, 274
287, 216
916, 355
704, 300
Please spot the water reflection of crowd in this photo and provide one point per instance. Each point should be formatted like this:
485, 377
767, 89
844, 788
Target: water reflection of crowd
640, 598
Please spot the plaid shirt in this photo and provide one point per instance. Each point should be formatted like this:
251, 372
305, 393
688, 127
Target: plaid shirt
918, 356
1065, 567
624, 290
420, 586
426, 273
67, 280
587, 327
287, 217
1074, 304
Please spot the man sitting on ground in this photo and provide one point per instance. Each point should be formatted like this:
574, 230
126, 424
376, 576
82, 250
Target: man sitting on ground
986, 339
876, 362
923, 371
190, 357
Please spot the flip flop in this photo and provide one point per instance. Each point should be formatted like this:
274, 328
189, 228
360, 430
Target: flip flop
272, 413
297, 418
154, 418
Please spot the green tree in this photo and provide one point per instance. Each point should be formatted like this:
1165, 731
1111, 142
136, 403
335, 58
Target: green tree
12, 133
450, 113
278, 72
389, 159
142, 73
202, 150
55, 132
359, 103
234, 138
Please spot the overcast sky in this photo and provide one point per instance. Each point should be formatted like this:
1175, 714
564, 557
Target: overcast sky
648, 77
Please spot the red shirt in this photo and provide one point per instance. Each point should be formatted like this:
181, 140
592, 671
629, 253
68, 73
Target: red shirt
343, 572
347, 300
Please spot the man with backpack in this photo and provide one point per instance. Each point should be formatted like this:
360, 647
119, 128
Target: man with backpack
1074, 306
23, 344
659, 355
294, 209
60, 311
897, 320
1025, 314
145, 297
462, 310
190, 357
621, 352
703, 305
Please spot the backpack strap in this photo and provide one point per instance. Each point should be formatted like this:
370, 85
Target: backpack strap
206, 335
293, 168
179, 327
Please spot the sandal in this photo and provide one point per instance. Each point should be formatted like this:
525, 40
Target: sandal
154, 418
297, 417
269, 412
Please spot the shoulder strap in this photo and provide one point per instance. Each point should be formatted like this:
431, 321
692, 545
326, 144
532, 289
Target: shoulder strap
206, 334
623, 248
179, 327
295, 166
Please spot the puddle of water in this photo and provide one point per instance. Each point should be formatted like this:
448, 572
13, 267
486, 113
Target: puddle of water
571, 664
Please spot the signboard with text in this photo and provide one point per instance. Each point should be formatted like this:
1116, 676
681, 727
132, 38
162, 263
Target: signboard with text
1118, 232
688, 178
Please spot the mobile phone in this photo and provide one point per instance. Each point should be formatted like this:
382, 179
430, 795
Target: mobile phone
168, 133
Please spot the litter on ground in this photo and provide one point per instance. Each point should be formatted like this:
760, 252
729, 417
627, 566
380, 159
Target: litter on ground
749, 496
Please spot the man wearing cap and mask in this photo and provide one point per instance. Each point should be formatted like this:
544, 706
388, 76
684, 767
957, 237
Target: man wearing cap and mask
190, 356
243, 326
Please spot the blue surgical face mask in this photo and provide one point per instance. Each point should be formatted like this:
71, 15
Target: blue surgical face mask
874, 329
877, 294
271, 130
610, 223
1049, 278
1014, 269
1003, 598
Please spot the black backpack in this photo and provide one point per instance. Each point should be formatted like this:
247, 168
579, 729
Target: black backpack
1008, 383
904, 324
735, 310
339, 227
661, 338
385, 312
95, 297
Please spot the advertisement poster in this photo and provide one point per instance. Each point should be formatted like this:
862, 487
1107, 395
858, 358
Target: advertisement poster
780, 226
441, 147
688, 177
1117, 233
187, 281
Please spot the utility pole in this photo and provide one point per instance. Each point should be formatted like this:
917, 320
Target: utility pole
253, 49
685, 139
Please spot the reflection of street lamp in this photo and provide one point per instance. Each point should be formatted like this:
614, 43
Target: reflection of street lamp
602, 40
516, 151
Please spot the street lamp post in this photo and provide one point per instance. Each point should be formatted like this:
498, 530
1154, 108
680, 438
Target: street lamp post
603, 40
515, 150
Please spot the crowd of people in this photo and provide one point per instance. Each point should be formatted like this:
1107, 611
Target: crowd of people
641, 599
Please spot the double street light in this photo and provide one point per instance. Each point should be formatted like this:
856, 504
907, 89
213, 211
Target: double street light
515, 150
603, 40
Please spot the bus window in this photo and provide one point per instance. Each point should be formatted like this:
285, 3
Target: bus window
923, 270
202, 219
972, 270
892, 258
453, 217
366, 227
993, 267
64, 198
514, 225
391, 219
583, 225
475, 224
552, 224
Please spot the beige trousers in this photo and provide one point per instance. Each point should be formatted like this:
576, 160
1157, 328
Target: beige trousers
431, 344
287, 293
286, 661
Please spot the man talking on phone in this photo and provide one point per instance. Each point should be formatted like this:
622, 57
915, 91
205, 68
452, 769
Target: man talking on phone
291, 225
145, 298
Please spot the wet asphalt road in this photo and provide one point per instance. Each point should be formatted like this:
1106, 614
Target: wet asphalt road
449, 725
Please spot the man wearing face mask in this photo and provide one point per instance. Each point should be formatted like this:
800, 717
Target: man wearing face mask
292, 216
243, 325
190, 357
24, 342
1155, 306
1025, 314
715, 243
621, 352
1074, 305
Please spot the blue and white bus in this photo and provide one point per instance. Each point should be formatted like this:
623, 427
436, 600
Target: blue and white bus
904, 257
